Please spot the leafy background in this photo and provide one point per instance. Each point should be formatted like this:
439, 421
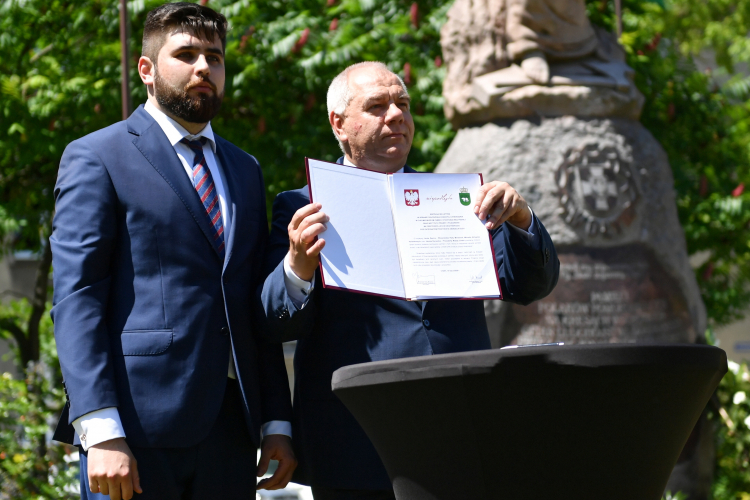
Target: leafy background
60, 78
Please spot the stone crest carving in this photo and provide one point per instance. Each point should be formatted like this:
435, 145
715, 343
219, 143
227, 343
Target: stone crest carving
597, 189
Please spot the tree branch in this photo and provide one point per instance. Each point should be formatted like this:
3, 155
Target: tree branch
39, 300
10, 326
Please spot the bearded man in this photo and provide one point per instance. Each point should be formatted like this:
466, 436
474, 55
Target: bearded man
159, 224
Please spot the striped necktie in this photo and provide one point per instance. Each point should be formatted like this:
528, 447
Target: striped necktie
204, 186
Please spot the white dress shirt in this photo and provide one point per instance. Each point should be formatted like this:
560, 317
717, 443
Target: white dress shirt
299, 289
105, 424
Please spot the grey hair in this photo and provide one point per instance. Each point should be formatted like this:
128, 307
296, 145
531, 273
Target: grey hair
339, 94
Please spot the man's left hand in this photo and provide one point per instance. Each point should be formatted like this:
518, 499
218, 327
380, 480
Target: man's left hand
498, 202
276, 447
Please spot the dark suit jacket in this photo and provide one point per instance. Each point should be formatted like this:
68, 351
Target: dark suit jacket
145, 311
337, 328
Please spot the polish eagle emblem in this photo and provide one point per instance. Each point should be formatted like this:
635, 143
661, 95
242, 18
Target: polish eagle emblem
411, 197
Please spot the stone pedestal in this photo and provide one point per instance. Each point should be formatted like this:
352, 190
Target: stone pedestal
604, 190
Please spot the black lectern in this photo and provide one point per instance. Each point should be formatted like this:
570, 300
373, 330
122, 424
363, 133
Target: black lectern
599, 422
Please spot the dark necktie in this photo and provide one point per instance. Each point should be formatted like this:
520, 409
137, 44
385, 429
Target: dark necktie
204, 186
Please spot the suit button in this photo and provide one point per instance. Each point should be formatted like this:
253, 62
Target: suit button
426, 323
224, 331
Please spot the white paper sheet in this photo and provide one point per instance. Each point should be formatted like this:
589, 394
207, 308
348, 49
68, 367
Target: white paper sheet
360, 251
445, 249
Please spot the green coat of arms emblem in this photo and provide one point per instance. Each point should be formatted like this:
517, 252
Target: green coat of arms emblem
464, 197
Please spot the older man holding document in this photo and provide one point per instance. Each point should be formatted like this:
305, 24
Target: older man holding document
369, 111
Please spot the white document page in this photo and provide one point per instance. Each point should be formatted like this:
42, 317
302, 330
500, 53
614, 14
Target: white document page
360, 251
445, 249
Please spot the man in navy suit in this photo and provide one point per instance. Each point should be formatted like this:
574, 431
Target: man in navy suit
159, 224
369, 111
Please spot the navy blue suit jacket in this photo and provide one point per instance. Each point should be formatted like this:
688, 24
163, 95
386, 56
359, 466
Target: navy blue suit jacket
337, 328
145, 311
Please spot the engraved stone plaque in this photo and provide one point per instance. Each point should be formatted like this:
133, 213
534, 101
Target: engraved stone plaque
616, 294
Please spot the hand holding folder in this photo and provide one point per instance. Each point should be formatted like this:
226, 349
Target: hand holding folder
403, 235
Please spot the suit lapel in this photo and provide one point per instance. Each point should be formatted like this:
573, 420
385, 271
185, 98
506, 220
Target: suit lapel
155, 147
238, 200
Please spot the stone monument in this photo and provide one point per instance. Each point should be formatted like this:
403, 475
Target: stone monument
545, 101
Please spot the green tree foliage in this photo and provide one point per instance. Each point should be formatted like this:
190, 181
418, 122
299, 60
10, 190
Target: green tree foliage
30, 467
704, 125
732, 418
59, 80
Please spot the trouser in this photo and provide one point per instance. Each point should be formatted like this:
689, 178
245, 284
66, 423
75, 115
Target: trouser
221, 466
334, 494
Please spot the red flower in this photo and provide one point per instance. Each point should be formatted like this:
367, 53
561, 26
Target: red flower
414, 14
438, 62
671, 112
738, 190
248, 34
203, 2
302, 40
703, 190
262, 126
407, 73
334, 25
654, 43
310, 102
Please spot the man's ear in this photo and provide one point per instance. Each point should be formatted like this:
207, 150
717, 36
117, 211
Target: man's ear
147, 71
337, 124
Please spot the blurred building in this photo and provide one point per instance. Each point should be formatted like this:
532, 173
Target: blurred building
735, 339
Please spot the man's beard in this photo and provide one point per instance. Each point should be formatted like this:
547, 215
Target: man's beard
200, 109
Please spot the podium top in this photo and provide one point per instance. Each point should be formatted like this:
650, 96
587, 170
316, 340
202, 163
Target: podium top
477, 362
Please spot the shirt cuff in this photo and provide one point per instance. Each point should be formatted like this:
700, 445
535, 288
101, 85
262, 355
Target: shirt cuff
276, 427
98, 426
530, 232
297, 288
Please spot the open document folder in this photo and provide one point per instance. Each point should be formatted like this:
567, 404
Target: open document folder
407, 236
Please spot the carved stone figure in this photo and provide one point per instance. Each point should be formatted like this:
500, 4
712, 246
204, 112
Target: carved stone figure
511, 58
541, 29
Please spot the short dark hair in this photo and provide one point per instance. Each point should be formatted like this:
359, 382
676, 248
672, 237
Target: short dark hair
181, 17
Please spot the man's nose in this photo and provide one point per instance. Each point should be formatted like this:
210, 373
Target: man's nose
201, 65
394, 113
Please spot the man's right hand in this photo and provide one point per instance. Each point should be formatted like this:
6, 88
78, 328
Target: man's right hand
112, 470
304, 252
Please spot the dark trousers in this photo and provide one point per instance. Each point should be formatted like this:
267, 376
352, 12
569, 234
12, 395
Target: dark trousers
333, 494
221, 466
